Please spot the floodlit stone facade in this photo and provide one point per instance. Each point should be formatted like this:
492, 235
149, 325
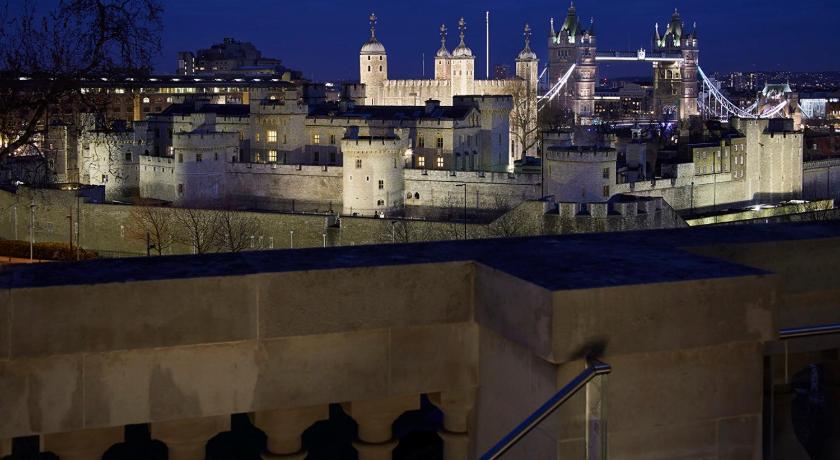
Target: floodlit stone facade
454, 77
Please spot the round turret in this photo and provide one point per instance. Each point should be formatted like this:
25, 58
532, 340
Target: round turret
443, 52
527, 54
373, 46
373, 65
462, 51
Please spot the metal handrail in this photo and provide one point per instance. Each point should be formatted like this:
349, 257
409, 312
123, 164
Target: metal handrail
808, 331
594, 369
801, 333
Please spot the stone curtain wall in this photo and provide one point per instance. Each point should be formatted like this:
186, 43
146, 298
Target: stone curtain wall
484, 190
105, 227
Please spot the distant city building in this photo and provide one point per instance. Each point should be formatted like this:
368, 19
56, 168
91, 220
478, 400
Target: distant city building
231, 57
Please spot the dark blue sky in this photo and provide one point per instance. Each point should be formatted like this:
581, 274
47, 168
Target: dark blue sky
323, 37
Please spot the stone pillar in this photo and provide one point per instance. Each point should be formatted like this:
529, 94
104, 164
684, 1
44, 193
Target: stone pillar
285, 427
375, 419
457, 409
81, 445
186, 439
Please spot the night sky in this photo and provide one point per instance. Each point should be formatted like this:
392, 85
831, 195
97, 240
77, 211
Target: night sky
323, 37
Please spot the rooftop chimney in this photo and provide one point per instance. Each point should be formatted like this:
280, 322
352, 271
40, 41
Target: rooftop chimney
431, 106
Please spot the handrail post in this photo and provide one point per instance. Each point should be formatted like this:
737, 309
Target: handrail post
596, 420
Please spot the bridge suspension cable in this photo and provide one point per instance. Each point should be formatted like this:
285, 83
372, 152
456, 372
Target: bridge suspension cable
555, 90
713, 103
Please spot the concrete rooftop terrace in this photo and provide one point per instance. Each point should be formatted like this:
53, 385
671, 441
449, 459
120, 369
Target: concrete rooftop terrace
489, 329
552, 262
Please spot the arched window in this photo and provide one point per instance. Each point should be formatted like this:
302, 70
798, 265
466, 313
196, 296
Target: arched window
416, 196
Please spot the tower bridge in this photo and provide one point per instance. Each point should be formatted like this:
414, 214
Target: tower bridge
681, 88
640, 55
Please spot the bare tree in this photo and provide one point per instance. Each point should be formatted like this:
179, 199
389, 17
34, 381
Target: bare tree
524, 126
48, 55
153, 225
199, 229
236, 230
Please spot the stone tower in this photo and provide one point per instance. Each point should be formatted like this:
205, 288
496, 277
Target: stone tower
527, 64
443, 66
691, 59
525, 101
573, 45
373, 65
675, 82
462, 65
373, 182
585, 74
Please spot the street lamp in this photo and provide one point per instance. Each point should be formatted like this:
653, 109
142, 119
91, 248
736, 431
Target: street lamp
32, 230
291, 239
465, 208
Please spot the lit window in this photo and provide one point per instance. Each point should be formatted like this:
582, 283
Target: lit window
271, 136
421, 162
316, 138
440, 162
272, 156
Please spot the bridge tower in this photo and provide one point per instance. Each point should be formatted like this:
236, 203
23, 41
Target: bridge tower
573, 45
586, 71
691, 57
675, 82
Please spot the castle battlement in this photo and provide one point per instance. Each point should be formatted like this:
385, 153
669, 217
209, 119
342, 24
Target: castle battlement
416, 83
472, 177
581, 155
281, 169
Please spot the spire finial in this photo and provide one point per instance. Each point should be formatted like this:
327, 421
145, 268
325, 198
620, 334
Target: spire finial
527, 36
443, 35
372, 26
462, 25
